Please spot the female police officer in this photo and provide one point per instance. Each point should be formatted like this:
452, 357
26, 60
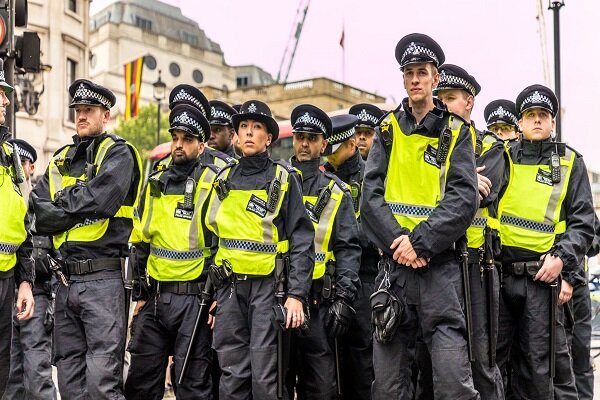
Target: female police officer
256, 210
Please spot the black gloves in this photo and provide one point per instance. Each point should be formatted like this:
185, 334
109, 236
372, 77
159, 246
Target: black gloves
387, 314
339, 317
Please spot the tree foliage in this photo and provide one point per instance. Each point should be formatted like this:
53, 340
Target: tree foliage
141, 130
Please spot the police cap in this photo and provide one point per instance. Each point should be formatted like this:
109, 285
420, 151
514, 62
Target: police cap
221, 113
501, 111
537, 96
86, 92
368, 115
258, 111
311, 119
419, 48
189, 119
7, 88
188, 94
454, 77
343, 128
26, 151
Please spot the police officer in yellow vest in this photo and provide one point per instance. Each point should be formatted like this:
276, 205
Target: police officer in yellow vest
16, 264
221, 128
546, 227
501, 118
258, 214
367, 115
86, 200
457, 90
337, 257
419, 198
175, 254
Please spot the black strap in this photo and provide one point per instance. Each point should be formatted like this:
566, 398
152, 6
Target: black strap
181, 287
522, 268
92, 265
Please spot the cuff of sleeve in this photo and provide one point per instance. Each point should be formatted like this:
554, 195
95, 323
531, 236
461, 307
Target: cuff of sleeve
299, 298
569, 263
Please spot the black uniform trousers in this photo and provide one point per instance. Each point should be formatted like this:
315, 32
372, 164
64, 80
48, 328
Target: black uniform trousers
30, 359
7, 300
246, 340
164, 327
89, 336
433, 298
524, 341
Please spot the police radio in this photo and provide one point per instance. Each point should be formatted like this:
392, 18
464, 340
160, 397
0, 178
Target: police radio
555, 167
273, 193
19, 173
444, 145
222, 188
355, 191
188, 194
321, 202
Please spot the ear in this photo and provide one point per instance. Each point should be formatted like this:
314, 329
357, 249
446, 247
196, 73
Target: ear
470, 103
323, 146
436, 77
270, 139
106, 116
521, 124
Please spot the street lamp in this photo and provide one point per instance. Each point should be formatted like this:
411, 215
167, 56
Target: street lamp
555, 6
159, 95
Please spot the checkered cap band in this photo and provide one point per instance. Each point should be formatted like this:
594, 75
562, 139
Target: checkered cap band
249, 246
176, 254
448, 81
479, 222
319, 257
183, 95
341, 136
2, 75
527, 224
218, 114
308, 119
364, 115
503, 114
537, 98
85, 93
417, 50
8, 248
410, 210
25, 154
185, 119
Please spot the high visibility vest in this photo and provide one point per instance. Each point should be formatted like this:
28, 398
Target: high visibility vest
14, 209
415, 182
175, 233
323, 225
91, 229
248, 238
483, 218
529, 210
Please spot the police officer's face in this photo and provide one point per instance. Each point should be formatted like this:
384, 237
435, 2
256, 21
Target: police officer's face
342, 153
536, 124
458, 102
364, 137
4, 102
90, 120
503, 131
254, 137
419, 81
308, 146
220, 137
28, 168
185, 147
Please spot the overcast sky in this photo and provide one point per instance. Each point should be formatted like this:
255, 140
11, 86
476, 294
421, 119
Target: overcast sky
497, 41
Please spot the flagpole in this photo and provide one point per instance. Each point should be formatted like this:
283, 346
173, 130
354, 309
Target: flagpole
343, 50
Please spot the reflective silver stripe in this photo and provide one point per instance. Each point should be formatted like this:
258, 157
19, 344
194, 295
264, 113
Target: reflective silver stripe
8, 248
319, 257
410, 210
565, 172
203, 187
326, 218
527, 224
479, 222
176, 254
248, 246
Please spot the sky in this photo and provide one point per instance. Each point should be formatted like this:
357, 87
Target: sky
499, 42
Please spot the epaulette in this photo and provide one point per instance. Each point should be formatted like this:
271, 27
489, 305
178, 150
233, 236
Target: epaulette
159, 166
337, 180
287, 166
577, 154
61, 149
457, 120
213, 167
385, 129
116, 138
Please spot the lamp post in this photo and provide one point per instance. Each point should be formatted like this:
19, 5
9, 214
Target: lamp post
555, 6
159, 95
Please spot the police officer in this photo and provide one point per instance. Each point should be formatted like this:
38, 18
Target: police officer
16, 264
420, 195
337, 259
457, 89
368, 115
30, 369
345, 162
175, 253
546, 227
221, 128
257, 212
501, 118
86, 200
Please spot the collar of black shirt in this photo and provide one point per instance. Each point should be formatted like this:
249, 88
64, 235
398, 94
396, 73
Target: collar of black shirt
307, 168
254, 164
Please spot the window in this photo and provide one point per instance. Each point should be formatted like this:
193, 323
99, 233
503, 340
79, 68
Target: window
241, 81
189, 38
143, 23
197, 76
72, 5
71, 74
174, 69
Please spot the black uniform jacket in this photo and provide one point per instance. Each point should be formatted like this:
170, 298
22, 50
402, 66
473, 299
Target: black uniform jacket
344, 237
454, 213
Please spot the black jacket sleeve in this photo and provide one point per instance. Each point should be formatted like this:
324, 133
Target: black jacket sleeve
494, 162
595, 247
301, 234
579, 212
25, 267
451, 218
346, 249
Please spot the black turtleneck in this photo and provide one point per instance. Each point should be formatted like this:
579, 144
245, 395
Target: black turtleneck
351, 170
307, 168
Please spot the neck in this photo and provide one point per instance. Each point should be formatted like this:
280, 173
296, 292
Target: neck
421, 108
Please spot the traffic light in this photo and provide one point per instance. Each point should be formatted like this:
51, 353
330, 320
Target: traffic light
12, 13
5, 28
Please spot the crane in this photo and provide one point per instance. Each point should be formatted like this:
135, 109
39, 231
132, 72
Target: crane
292, 43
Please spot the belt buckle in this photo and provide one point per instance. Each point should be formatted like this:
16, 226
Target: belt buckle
518, 268
239, 277
533, 268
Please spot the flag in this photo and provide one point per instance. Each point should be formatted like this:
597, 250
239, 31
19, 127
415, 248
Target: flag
133, 84
342, 39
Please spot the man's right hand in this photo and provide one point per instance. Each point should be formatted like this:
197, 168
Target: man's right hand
483, 184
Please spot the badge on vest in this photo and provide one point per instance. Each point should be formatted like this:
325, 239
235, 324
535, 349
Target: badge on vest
310, 211
430, 156
544, 177
257, 206
182, 212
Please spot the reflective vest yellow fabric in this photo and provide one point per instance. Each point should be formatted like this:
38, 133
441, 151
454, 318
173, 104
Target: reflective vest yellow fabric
176, 236
91, 229
415, 183
248, 238
529, 210
13, 209
324, 227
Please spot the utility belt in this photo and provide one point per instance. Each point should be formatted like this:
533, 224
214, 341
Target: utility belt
522, 268
83, 267
178, 287
323, 289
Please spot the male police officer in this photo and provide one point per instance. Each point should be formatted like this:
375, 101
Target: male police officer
221, 127
16, 264
420, 195
501, 118
175, 257
86, 200
337, 259
546, 227
457, 90
30, 369
368, 115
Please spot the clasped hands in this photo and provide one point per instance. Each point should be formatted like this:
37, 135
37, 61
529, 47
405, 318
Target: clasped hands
405, 254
